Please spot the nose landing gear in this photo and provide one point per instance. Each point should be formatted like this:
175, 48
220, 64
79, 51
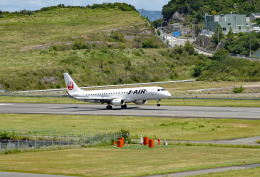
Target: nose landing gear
158, 104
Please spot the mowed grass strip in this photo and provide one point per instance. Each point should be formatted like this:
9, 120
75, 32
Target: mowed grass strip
133, 161
153, 127
168, 102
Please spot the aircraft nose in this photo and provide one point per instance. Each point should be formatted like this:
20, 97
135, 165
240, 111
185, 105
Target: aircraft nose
168, 94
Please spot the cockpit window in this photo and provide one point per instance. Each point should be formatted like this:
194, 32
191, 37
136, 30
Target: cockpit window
161, 90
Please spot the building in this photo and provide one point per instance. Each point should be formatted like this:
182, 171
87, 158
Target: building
238, 22
254, 16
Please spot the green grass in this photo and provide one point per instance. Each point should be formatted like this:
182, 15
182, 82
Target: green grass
253, 172
132, 161
153, 127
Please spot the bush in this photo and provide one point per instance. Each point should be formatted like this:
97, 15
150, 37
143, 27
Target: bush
149, 43
220, 55
118, 36
189, 48
79, 45
238, 89
7, 136
158, 32
126, 135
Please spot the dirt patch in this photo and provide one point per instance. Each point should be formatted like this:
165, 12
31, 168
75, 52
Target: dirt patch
84, 36
52, 80
44, 46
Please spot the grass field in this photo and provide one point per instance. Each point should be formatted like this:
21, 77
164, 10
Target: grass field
131, 161
153, 127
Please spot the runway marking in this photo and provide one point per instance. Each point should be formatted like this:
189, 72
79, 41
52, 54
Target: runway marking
55, 107
4, 104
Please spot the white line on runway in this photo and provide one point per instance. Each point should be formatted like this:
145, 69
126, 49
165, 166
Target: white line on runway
55, 107
3, 104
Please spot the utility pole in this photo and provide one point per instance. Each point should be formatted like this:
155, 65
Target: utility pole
188, 9
218, 35
193, 27
250, 43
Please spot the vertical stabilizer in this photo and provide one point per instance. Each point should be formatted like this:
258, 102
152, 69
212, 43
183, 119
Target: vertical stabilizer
70, 84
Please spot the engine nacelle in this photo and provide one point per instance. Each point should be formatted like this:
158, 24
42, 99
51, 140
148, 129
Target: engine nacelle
140, 102
118, 102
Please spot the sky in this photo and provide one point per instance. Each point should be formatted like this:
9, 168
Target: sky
17, 5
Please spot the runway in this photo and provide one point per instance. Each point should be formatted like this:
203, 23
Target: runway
132, 110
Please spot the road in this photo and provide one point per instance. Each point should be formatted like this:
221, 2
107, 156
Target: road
180, 41
240, 141
133, 110
207, 171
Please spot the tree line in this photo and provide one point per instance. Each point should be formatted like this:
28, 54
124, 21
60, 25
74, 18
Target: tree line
121, 6
198, 8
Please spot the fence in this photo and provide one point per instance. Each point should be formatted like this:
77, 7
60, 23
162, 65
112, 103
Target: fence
39, 140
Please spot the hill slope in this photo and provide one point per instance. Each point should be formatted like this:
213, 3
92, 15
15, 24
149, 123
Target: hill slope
36, 49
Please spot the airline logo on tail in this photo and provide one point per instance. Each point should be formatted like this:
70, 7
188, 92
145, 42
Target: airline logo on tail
70, 85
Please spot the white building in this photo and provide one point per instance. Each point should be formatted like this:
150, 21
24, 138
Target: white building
254, 16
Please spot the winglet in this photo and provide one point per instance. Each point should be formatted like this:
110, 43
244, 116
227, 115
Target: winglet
70, 84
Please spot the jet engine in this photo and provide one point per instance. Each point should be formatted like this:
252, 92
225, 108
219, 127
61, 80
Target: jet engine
140, 102
118, 102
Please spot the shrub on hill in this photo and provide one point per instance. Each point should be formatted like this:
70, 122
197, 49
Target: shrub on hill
221, 54
117, 36
79, 45
227, 69
149, 43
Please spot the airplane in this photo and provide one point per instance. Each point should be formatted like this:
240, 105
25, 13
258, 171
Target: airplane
115, 97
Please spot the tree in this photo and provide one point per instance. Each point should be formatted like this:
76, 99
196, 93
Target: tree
230, 35
221, 54
189, 48
218, 36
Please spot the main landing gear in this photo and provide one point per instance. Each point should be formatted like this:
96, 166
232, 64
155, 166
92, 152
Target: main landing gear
124, 106
109, 107
158, 104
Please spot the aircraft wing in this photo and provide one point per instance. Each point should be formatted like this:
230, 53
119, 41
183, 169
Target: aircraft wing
94, 98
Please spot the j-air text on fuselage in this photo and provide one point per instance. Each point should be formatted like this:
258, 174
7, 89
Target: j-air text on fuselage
115, 97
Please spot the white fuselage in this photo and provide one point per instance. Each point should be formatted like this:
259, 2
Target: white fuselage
115, 97
128, 94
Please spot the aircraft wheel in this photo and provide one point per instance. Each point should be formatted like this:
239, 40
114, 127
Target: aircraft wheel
124, 106
109, 107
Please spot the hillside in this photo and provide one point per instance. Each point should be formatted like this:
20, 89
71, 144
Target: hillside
95, 43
